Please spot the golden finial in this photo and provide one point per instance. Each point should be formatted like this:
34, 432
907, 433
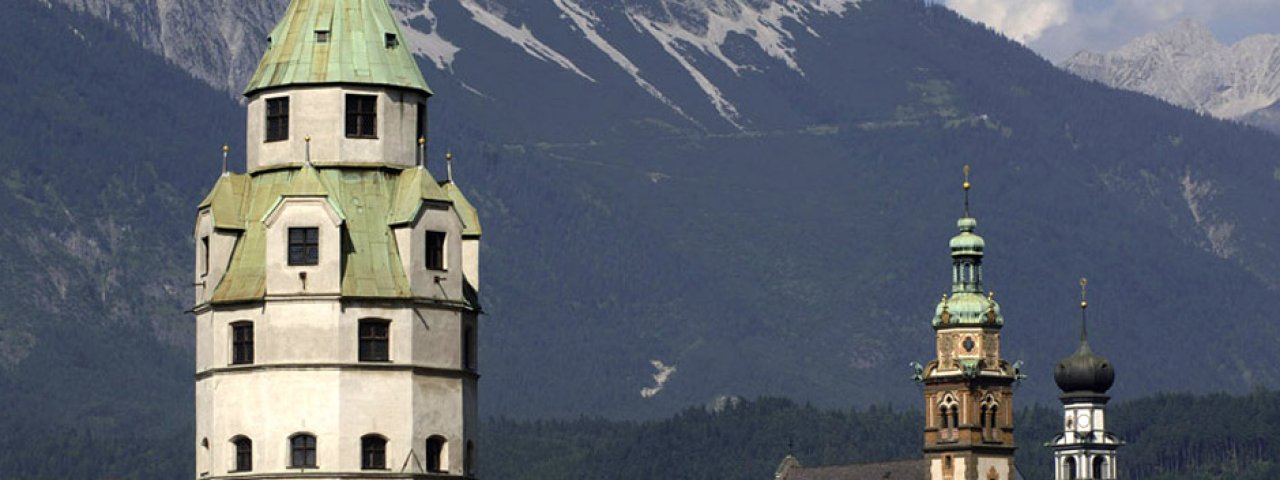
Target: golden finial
448, 160
1084, 284
967, 185
307, 159
422, 140
225, 150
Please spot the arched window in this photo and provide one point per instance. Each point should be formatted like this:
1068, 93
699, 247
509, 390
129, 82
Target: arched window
243, 461
950, 420
469, 460
242, 343
373, 452
375, 340
302, 451
1070, 467
1099, 467
437, 454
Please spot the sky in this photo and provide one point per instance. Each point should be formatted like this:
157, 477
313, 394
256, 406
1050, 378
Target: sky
1057, 29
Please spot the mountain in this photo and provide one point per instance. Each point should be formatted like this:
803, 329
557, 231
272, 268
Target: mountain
683, 200
1188, 67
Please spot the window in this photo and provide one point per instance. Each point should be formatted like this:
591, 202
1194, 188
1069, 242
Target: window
242, 343
469, 461
469, 348
204, 256
1099, 467
373, 341
373, 452
302, 449
1070, 467
304, 246
437, 455
362, 116
422, 120
435, 250
277, 119
322, 36
392, 40
244, 454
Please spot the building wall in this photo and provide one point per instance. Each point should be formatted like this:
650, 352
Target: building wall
320, 112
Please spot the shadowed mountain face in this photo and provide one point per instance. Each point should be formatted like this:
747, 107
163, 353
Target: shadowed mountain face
752, 197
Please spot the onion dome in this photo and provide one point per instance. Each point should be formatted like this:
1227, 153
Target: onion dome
968, 304
1084, 372
967, 242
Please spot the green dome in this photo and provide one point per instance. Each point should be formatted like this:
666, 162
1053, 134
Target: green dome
967, 242
967, 309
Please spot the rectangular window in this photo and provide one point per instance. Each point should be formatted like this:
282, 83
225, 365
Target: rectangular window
304, 246
422, 120
373, 341
435, 251
392, 40
241, 343
303, 451
322, 36
277, 119
469, 348
244, 455
362, 116
204, 256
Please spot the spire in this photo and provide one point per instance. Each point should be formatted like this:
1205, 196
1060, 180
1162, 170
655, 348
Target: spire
307, 159
337, 42
422, 152
967, 186
225, 150
969, 304
1084, 306
448, 160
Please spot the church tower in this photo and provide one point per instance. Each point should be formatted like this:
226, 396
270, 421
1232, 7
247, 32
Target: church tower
336, 280
968, 389
1084, 449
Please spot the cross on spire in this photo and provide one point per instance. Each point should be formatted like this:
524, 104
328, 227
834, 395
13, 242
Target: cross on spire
1084, 306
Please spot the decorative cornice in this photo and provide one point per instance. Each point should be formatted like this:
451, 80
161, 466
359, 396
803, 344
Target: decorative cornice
361, 366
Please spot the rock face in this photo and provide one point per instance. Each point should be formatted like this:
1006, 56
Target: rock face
217, 41
1186, 66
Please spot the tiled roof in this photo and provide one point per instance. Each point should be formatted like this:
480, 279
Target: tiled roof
914, 469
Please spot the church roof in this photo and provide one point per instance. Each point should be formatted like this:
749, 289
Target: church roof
914, 469
466, 211
372, 266
338, 42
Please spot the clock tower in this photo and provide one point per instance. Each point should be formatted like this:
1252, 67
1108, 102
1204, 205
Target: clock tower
1084, 449
968, 389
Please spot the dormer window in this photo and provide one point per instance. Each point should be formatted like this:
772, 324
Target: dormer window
304, 246
392, 40
277, 119
435, 250
362, 116
322, 36
204, 256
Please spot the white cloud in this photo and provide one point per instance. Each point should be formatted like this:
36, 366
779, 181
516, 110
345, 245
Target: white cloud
1021, 20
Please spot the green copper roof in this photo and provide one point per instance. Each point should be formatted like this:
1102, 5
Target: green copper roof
338, 42
414, 186
467, 212
226, 201
370, 198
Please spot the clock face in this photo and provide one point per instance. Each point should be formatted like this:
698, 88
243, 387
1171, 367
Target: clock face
1083, 422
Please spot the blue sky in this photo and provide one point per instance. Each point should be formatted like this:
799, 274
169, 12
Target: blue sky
1059, 28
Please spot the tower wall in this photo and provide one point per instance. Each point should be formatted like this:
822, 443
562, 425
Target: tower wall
320, 113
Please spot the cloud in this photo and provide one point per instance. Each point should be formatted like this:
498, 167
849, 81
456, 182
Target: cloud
1021, 20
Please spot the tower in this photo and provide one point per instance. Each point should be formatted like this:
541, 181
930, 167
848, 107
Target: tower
1084, 449
336, 280
968, 389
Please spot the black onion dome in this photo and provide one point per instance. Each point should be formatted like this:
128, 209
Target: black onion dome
1084, 372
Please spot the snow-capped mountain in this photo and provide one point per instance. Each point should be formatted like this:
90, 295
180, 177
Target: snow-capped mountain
220, 41
1188, 67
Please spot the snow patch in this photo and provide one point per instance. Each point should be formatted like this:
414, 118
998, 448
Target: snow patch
522, 37
763, 25
428, 44
587, 24
659, 379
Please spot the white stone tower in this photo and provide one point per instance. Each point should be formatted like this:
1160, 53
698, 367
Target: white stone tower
336, 280
1084, 449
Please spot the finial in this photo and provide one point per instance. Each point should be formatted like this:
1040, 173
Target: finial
225, 150
448, 159
308, 157
967, 186
1084, 305
422, 152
